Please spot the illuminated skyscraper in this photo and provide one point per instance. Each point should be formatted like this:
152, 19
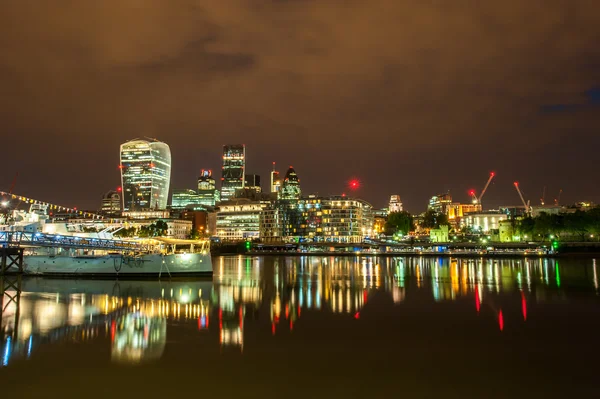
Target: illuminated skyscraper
290, 189
207, 191
145, 174
275, 180
234, 167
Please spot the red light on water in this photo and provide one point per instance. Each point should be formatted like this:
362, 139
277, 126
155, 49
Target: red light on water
500, 320
273, 328
524, 306
477, 300
357, 315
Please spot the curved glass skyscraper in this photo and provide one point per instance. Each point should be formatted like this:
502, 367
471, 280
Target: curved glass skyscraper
145, 174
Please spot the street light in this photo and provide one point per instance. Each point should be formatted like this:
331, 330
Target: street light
5, 203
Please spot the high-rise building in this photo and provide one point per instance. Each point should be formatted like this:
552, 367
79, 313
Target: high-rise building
183, 198
440, 203
111, 203
234, 167
145, 174
275, 180
207, 189
290, 189
253, 182
395, 204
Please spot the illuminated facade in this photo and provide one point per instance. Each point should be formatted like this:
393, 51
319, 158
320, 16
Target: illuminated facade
207, 189
111, 203
239, 219
456, 212
234, 168
290, 189
485, 221
395, 204
183, 198
275, 180
318, 219
145, 174
440, 203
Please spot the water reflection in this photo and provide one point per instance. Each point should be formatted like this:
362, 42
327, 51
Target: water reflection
137, 336
133, 314
273, 295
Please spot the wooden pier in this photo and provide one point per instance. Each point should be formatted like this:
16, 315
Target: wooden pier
11, 260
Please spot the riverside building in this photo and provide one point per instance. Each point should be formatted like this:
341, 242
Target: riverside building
336, 219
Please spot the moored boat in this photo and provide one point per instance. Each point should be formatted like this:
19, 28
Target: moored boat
169, 257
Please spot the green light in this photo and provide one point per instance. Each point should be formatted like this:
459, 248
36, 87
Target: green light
557, 275
248, 245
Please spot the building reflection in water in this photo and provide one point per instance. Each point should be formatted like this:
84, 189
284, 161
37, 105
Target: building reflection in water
273, 295
136, 337
134, 315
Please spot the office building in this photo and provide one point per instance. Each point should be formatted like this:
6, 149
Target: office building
111, 204
234, 168
145, 174
239, 219
275, 180
440, 203
184, 198
252, 182
207, 189
290, 189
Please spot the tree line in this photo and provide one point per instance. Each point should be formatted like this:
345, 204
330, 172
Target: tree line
156, 229
574, 226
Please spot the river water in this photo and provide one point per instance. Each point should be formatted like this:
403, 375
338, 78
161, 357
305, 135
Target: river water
311, 327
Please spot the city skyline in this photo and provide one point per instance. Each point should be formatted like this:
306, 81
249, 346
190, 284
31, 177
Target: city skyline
409, 97
512, 197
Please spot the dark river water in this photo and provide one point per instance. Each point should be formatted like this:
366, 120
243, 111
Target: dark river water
303, 327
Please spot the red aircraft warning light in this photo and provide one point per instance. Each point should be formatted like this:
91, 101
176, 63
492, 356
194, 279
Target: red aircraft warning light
354, 184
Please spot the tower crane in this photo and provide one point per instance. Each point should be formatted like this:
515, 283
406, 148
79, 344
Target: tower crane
526, 204
477, 200
557, 200
543, 199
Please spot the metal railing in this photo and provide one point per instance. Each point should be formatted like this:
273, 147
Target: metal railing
22, 239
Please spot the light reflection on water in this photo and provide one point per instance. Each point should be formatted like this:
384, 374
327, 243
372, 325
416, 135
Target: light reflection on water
273, 294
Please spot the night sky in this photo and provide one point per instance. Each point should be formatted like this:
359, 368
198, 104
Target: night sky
411, 97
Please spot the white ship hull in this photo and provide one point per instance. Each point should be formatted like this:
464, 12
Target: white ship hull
148, 265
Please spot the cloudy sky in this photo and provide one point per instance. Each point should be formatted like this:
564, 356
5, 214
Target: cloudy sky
412, 97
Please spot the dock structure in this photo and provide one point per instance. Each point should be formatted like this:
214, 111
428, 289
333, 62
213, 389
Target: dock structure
11, 260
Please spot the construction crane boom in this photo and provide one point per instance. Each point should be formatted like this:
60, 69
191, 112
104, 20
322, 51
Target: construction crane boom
526, 204
557, 200
492, 174
543, 199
